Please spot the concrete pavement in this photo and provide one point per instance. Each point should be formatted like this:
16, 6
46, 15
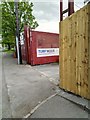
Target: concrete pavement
58, 107
6, 108
33, 92
51, 71
26, 87
63, 105
0, 85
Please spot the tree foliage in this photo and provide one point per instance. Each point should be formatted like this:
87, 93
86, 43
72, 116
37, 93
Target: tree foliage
26, 17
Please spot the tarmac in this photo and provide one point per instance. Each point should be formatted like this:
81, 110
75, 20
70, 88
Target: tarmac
1, 85
33, 92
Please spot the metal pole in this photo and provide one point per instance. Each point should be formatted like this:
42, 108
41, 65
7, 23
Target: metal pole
70, 7
18, 34
61, 9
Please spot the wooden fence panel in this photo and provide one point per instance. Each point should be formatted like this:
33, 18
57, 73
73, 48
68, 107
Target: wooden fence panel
75, 53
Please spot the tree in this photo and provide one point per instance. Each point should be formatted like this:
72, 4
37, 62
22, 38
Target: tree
26, 17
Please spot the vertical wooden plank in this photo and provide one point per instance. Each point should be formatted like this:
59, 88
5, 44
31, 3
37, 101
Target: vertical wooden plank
61, 53
83, 91
63, 58
71, 41
65, 53
85, 55
85, 59
89, 51
63, 67
83, 86
68, 54
79, 53
73, 54
88, 7
71, 64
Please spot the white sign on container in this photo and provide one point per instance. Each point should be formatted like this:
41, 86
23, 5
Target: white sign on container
43, 52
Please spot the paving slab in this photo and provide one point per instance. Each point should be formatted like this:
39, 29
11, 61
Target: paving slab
58, 107
75, 99
51, 71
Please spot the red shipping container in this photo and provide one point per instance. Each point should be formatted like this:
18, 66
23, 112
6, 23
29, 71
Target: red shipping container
40, 47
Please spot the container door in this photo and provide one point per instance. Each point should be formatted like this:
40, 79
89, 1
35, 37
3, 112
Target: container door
27, 44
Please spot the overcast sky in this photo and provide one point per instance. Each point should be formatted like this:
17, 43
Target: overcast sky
47, 13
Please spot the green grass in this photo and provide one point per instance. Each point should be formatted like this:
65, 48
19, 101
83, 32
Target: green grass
9, 51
